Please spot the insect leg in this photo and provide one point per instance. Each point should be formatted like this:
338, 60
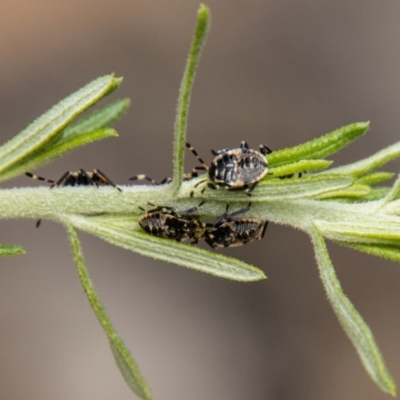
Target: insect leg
88, 177
241, 211
250, 188
196, 185
191, 210
264, 149
104, 177
193, 174
163, 209
221, 218
166, 180
61, 180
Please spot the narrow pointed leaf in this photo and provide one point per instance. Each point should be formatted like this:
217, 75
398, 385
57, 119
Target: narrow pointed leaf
353, 324
124, 359
54, 150
393, 207
99, 119
375, 161
377, 193
353, 191
300, 166
374, 178
169, 250
274, 189
393, 193
376, 230
182, 112
320, 147
46, 127
10, 250
390, 252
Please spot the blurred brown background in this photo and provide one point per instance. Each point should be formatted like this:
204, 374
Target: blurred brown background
274, 72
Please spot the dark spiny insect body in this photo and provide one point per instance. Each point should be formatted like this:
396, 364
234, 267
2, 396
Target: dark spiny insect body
167, 223
229, 232
234, 169
79, 178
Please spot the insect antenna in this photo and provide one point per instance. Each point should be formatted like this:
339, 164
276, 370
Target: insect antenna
39, 178
142, 178
264, 229
192, 149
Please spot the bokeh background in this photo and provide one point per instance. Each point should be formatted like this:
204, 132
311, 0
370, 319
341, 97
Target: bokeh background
274, 72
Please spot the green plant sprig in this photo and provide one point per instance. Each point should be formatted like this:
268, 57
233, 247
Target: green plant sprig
342, 204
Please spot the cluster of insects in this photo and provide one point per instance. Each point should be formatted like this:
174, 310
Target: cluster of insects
232, 169
225, 231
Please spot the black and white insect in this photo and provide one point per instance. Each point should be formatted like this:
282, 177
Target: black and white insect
228, 231
166, 222
234, 169
79, 178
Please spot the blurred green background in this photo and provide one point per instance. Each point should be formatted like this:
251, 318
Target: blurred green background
273, 72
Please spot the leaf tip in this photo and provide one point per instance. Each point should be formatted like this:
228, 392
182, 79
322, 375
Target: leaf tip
203, 11
110, 132
117, 81
203, 15
364, 125
256, 275
13, 250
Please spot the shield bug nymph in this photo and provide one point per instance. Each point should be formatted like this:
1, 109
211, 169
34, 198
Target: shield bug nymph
166, 222
234, 169
79, 178
228, 231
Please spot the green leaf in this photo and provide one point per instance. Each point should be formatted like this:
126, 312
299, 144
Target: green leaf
277, 189
320, 147
169, 250
375, 230
97, 120
351, 321
124, 359
54, 150
203, 23
375, 161
86, 130
46, 127
300, 166
10, 250
393, 193
353, 191
374, 178
377, 193
390, 252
